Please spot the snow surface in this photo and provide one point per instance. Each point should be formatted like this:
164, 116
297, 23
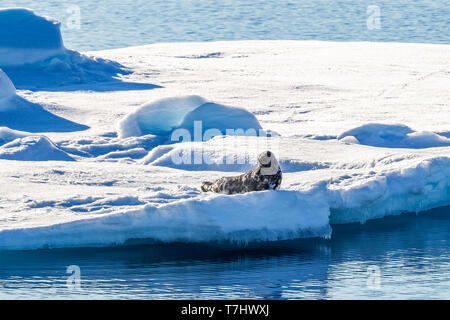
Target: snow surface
393, 136
16, 145
33, 148
376, 183
7, 89
363, 133
210, 219
21, 114
7, 135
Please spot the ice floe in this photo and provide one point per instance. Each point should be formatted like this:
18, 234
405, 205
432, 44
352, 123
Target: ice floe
352, 147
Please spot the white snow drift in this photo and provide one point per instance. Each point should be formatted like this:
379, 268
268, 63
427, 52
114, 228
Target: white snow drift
7, 89
372, 184
7, 135
26, 38
21, 114
393, 136
16, 145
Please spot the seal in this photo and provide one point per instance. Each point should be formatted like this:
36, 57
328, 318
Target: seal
266, 176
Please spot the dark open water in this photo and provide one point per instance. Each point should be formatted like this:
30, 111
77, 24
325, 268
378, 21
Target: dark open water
403, 257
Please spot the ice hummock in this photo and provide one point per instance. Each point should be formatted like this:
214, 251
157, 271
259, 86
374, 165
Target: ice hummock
33, 148
393, 136
7, 135
158, 117
32, 52
26, 38
23, 146
20, 114
7, 89
163, 116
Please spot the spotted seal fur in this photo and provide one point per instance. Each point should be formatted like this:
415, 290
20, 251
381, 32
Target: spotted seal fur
266, 176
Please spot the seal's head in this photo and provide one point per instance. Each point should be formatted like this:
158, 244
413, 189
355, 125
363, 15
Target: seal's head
268, 163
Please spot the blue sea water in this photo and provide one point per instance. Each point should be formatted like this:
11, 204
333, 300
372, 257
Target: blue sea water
401, 257
391, 258
105, 24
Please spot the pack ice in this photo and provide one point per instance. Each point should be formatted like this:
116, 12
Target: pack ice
361, 131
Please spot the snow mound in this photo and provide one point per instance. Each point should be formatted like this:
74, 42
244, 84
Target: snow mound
69, 72
8, 135
15, 145
232, 154
194, 220
26, 38
7, 89
163, 116
111, 147
198, 157
393, 136
219, 117
21, 114
32, 52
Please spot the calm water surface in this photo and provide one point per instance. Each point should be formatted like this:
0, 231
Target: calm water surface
119, 23
396, 257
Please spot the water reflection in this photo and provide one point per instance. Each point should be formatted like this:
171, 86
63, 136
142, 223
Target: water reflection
411, 252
